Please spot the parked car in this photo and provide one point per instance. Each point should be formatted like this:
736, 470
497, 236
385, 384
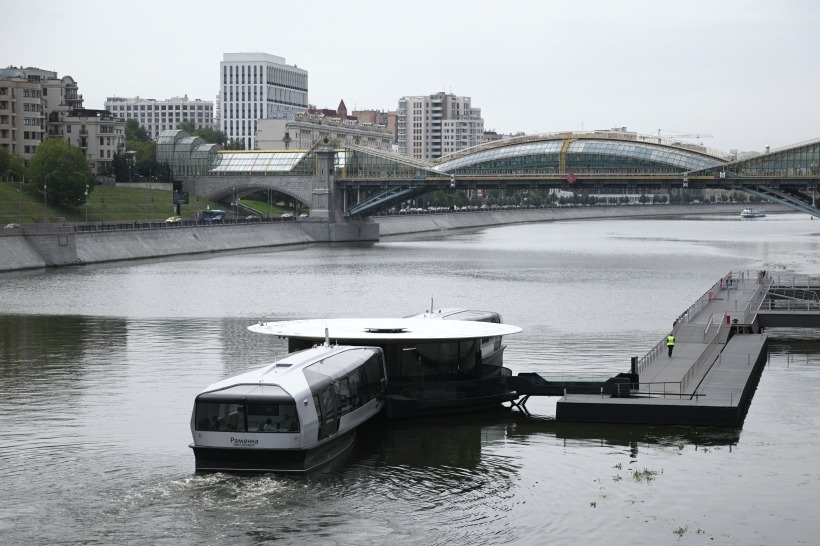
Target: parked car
174, 220
286, 215
11, 226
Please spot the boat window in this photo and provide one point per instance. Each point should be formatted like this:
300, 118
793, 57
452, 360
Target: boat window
355, 382
373, 376
242, 416
435, 361
342, 388
220, 416
329, 423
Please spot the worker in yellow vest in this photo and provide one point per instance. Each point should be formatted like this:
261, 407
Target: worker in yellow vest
670, 342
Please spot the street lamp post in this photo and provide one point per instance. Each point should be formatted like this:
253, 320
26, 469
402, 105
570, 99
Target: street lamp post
86, 194
45, 195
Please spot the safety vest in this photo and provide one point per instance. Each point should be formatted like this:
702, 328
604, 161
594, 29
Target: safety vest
670, 340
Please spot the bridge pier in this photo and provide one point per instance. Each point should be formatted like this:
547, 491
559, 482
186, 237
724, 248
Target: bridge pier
327, 221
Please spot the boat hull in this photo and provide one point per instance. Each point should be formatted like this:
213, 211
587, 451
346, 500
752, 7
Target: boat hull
245, 459
398, 406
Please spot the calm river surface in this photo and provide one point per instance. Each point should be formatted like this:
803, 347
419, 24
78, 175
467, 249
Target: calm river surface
99, 367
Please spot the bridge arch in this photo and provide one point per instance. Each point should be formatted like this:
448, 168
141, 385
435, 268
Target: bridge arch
580, 153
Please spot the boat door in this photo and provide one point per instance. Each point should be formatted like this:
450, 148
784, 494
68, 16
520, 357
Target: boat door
325, 402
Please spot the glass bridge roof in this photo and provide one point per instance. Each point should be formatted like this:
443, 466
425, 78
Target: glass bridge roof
521, 150
257, 161
645, 153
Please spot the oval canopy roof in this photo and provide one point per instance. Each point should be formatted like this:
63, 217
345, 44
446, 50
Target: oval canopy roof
372, 330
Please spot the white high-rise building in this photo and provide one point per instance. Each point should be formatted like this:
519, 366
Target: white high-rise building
156, 116
254, 86
429, 127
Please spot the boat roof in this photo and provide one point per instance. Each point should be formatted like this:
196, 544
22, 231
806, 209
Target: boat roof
459, 313
374, 330
276, 373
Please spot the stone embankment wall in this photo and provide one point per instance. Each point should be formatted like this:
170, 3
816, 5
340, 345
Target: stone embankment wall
37, 247
408, 224
157, 243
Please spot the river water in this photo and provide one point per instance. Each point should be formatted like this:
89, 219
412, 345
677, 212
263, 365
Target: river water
99, 367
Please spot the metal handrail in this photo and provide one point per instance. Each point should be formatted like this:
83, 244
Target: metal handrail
664, 392
704, 357
791, 306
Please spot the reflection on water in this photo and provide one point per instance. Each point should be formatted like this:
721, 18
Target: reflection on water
99, 367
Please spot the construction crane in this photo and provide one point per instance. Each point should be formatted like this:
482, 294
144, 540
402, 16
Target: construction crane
674, 135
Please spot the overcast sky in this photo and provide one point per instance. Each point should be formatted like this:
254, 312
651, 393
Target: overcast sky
746, 72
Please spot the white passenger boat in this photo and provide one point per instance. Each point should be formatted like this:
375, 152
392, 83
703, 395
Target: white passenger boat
290, 416
752, 213
433, 366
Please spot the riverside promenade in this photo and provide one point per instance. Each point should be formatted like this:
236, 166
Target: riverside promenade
719, 353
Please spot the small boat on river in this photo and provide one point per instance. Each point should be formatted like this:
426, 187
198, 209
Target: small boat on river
290, 416
433, 366
749, 212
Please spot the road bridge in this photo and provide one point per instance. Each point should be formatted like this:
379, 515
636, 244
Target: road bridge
349, 182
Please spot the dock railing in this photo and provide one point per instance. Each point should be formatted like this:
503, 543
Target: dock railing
757, 300
660, 389
690, 313
796, 281
644, 361
706, 356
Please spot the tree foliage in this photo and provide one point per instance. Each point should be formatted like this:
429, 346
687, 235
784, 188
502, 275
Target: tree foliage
119, 166
211, 136
5, 160
235, 144
145, 150
140, 170
61, 172
135, 131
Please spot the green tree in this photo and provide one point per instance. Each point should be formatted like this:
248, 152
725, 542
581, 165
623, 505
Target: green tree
5, 160
135, 131
147, 169
119, 165
211, 136
145, 150
60, 171
235, 144
187, 125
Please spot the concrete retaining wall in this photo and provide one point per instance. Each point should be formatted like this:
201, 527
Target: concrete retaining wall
17, 253
35, 247
403, 225
109, 246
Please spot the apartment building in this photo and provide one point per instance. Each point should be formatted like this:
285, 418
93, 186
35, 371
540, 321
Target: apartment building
302, 131
254, 86
156, 116
378, 117
22, 110
36, 104
432, 126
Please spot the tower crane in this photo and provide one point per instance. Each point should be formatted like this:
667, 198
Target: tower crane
672, 135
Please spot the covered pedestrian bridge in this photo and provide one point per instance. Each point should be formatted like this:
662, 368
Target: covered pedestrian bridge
361, 181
